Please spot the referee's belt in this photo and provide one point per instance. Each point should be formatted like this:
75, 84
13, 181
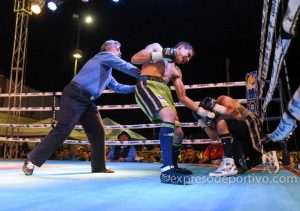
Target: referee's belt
152, 78
83, 90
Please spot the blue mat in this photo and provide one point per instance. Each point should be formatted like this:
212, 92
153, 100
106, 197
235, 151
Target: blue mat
69, 185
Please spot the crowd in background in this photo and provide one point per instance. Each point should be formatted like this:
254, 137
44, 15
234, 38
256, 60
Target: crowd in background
196, 154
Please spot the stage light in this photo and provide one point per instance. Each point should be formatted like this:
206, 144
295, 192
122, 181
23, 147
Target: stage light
37, 6
53, 4
88, 19
115, 1
77, 54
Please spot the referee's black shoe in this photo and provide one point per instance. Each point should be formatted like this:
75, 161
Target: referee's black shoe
28, 167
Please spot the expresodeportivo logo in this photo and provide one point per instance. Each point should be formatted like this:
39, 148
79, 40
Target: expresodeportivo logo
245, 179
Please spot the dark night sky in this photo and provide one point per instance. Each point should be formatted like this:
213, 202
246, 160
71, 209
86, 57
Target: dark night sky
217, 29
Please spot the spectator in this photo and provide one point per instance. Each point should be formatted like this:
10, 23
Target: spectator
293, 161
151, 158
1, 149
213, 154
191, 156
181, 156
140, 156
65, 154
122, 153
85, 155
77, 152
157, 153
23, 150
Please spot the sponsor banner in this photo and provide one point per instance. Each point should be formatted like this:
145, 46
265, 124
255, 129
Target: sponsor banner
251, 92
269, 44
262, 36
291, 16
280, 51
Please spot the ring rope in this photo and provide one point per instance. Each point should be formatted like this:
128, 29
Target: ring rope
107, 127
103, 107
194, 86
113, 142
111, 127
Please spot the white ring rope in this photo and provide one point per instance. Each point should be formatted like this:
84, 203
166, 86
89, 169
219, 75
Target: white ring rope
103, 107
112, 142
108, 127
194, 86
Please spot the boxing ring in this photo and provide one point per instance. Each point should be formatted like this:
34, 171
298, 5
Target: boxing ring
12, 132
69, 185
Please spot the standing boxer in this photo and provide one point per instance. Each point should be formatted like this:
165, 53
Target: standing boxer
155, 99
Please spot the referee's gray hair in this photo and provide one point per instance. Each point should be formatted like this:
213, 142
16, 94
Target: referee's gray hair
109, 42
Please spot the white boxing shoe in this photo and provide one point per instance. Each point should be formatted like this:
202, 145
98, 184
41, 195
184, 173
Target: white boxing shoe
227, 168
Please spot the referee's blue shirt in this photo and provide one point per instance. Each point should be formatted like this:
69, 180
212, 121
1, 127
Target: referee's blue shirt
96, 74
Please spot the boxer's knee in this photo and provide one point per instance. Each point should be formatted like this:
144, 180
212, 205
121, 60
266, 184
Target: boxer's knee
178, 136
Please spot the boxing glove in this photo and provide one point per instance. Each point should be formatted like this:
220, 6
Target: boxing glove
168, 54
200, 119
211, 104
205, 121
208, 103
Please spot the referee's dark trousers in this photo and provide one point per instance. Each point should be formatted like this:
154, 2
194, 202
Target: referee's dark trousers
75, 106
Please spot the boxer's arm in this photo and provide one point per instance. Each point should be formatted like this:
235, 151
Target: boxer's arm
234, 109
181, 94
224, 105
145, 55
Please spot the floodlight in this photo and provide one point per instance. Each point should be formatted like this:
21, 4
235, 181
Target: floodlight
77, 54
37, 6
88, 19
53, 4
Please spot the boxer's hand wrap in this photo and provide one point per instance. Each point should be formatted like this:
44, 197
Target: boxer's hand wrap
168, 54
